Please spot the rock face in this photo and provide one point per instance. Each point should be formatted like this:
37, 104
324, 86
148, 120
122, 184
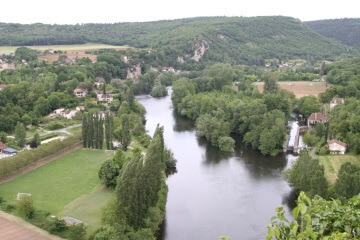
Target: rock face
134, 73
200, 51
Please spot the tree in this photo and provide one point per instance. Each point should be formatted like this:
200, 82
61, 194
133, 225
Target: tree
181, 88
306, 174
125, 137
24, 53
307, 105
311, 139
26, 119
347, 184
317, 219
270, 83
25, 206
36, 141
108, 173
20, 134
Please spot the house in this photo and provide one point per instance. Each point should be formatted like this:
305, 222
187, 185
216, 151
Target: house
2, 86
9, 151
79, 92
69, 114
336, 101
80, 108
337, 147
2, 146
315, 118
108, 97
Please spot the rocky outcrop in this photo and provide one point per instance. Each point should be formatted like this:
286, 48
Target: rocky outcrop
134, 73
200, 51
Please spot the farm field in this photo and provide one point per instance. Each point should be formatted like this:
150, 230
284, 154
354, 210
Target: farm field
56, 184
332, 164
300, 89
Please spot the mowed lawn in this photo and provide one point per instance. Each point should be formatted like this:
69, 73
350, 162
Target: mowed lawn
332, 164
57, 184
89, 207
87, 46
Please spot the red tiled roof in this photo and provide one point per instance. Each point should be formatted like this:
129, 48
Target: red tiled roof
2, 146
317, 117
337, 100
337, 142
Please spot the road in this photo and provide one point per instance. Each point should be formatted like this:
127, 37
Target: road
14, 228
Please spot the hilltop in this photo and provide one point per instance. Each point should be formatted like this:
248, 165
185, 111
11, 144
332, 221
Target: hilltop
210, 39
346, 30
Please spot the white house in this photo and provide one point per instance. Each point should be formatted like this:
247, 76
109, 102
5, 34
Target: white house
337, 147
79, 92
336, 101
105, 97
69, 114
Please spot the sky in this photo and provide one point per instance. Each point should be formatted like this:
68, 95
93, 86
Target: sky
111, 11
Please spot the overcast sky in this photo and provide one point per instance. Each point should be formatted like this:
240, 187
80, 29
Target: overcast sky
110, 11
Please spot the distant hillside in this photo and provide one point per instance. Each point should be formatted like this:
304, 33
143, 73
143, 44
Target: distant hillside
226, 39
346, 31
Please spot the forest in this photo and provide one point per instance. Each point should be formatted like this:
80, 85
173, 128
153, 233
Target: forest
345, 30
236, 40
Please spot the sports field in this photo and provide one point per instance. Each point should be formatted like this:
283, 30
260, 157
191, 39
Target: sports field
59, 183
301, 88
332, 164
87, 46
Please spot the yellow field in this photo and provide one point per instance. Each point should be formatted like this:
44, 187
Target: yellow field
87, 46
332, 164
299, 88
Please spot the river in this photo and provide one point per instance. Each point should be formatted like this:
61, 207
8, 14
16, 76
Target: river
215, 193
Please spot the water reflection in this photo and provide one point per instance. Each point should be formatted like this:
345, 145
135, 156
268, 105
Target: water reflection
214, 192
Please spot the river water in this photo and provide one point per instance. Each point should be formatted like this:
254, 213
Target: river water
215, 193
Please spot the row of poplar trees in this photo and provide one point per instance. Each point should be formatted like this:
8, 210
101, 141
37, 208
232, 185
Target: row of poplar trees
93, 130
139, 183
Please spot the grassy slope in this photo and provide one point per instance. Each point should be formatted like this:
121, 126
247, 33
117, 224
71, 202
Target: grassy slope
332, 164
60, 182
88, 46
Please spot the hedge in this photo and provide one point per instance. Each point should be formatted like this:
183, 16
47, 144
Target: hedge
25, 158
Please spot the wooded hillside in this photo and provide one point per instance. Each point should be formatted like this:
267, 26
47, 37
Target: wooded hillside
227, 39
346, 31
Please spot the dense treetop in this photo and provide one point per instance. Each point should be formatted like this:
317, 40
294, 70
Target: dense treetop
346, 30
230, 39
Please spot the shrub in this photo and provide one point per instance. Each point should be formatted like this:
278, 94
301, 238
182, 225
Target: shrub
57, 225
108, 173
55, 126
1, 200
77, 232
25, 206
10, 207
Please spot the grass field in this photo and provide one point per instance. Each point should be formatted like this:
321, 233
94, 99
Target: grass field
332, 164
57, 184
300, 88
87, 46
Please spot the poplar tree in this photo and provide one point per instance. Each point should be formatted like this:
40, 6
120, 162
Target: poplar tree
125, 132
85, 131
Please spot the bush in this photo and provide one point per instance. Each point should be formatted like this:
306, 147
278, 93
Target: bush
10, 207
324, 151
25, 207
57, 225
1, 200
55, 126
77, 232
108, 173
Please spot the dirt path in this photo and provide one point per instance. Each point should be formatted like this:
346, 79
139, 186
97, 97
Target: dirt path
14, 228
42, 162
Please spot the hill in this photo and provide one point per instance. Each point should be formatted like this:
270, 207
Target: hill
346, 31
226, 39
